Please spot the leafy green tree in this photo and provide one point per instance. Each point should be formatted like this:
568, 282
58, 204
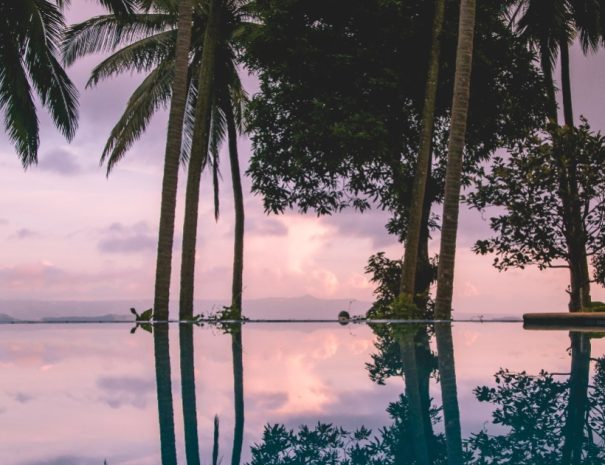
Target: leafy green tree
530, 229
336, 123
30, 33
550, 28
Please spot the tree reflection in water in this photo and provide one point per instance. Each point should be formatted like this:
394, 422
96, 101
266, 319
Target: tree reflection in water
548, 420
188, 393
542, 419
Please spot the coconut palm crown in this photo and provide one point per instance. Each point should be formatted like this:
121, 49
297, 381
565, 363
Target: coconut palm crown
144, 42
30, 33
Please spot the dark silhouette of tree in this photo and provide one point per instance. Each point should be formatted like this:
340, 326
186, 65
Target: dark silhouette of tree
30, 33
337, 121
531, 228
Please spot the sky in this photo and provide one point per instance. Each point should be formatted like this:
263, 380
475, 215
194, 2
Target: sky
68, 232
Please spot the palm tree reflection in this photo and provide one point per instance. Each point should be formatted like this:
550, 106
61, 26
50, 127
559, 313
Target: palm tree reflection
188, 391
192, 450
161, 347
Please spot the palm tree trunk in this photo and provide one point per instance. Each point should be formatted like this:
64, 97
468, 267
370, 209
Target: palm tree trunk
449, 229
566, 84
192, 448
238, 199
408, 276
171, 163
449, 393
161, 347
199, 156
550, 85
578, 399
238, 394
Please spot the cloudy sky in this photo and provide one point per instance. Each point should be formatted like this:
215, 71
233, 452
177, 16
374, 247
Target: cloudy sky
70, 233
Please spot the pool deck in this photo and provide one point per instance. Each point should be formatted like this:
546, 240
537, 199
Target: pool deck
579, 321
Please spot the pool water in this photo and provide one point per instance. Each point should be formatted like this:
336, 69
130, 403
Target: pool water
475, 393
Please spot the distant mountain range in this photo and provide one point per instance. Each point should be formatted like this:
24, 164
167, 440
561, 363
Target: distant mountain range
295, 308
305, 307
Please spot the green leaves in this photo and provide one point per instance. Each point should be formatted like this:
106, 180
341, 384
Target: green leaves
525, 190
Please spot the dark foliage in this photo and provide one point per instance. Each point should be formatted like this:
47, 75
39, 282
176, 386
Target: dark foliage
336, 122
326, 444
525, 187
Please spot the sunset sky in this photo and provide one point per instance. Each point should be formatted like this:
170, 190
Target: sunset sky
70, 233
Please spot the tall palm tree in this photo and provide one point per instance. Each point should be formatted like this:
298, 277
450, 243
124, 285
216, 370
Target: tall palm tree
412, 243
451, 202
550, 28
168, 81
30, 34
145, 42
174, 141
219, 105
199, 153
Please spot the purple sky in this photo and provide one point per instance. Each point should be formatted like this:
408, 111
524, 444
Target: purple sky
69, 233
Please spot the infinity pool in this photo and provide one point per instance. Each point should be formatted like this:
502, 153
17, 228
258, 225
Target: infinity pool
84, 394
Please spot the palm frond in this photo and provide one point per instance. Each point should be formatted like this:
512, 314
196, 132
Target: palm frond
103, 34
116, 6
52, 84
16, 102
218, 130
153, 94
140, 56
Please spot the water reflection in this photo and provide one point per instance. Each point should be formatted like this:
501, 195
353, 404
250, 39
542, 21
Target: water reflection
550, 419
188, 395
161, 347
555, 418
311, 394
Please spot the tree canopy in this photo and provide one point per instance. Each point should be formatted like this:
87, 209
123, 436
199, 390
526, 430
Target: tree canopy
336, 121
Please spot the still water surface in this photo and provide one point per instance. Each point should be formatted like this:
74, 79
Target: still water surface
300, 394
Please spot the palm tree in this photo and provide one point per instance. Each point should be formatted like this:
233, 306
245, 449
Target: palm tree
412, 243
550, 28
199, 153
168, 79
219, 105
30, 33
449, 228
145, 42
